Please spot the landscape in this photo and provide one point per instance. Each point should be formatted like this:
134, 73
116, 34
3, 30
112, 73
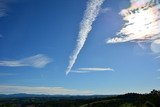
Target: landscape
151, 99
79, 53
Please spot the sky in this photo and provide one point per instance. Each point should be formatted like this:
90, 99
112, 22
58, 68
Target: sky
79, 47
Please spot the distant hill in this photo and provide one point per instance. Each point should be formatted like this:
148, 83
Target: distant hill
24, 95
127, 100
21, 95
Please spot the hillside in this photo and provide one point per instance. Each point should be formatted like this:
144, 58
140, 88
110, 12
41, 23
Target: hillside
127, 100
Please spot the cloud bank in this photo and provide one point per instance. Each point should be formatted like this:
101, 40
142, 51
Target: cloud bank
142, 22
93, 8
5, 89
89, 70
37, 61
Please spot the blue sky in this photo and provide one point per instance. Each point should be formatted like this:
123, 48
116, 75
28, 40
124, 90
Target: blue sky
38, 37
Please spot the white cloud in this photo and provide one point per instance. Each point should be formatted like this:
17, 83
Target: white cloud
89, 70
142, 22
37, 61
90, 15
95, 69
80, 72
5, 89
155, 46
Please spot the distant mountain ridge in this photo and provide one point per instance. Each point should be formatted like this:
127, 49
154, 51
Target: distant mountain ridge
25, 95
151, 99
21, 95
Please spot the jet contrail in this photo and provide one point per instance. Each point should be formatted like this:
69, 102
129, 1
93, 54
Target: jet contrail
93, 8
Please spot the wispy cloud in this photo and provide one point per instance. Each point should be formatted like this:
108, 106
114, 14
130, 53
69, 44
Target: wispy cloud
89, 70
5, 89
105, 10
95, 69
90, 15
3, 8
37, 61
155, 47
158, 57
158, 78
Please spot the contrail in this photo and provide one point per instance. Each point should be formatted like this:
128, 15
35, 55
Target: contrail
93, 8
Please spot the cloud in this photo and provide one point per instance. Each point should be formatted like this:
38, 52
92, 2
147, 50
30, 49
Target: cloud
158, 57
3, 8
95, 69
5, 89
90, 15
88, 70
37, 61
104, 10
142, 22
155, 46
